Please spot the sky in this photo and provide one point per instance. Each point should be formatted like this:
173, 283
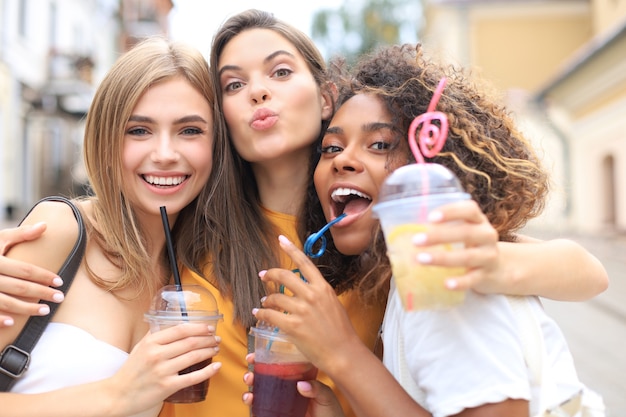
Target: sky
195, 21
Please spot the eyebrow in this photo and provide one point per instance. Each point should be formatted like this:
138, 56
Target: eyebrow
184, 119
369, 127
265, 61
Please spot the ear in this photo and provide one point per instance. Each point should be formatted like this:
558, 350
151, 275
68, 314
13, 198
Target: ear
329, 97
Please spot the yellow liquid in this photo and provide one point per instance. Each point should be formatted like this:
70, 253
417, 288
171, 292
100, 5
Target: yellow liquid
421, 287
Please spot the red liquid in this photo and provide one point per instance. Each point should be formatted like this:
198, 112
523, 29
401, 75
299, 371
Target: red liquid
275, 390
192, 393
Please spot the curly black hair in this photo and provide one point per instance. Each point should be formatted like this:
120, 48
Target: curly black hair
493, 160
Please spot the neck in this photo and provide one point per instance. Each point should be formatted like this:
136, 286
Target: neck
282, 184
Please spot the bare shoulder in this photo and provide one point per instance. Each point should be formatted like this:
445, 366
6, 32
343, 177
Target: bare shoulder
53, 247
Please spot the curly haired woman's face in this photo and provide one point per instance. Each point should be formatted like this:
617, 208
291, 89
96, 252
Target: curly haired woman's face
359, 150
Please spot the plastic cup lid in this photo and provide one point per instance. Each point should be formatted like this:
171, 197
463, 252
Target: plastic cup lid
417, 180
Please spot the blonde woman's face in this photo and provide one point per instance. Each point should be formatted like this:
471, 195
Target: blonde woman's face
272, 105
167, 152
359, 150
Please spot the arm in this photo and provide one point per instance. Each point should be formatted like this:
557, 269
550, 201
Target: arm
47, 252
19, 280
527, 267
320, 327
148, 376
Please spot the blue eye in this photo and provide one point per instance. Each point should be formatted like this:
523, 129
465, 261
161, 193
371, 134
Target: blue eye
192, 131
137, 131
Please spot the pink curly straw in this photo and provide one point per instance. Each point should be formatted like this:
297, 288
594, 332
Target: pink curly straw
431, 137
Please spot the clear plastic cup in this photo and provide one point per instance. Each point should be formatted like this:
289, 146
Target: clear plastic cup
173, 305
278, 366
406, 198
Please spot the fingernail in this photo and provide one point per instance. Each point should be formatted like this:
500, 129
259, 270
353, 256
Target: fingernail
419, 239
218, 339
263, 299
424, 258
8, 322
38, 224
216, 365
435, 216
284, 240
58, 297
451, 284
262, 273
57, 282
44, 310
254, 311
304, 386
246, 396
211, 328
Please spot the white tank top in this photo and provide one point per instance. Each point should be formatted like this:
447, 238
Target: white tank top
67, 355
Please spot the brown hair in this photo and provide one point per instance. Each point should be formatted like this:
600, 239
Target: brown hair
150, 62
240, 239
493, 160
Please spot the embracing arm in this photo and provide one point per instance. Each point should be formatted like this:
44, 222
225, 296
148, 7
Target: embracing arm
560, 269
20, 280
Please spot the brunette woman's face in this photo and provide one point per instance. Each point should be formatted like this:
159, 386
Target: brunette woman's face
167, 153
271, 103
359, 150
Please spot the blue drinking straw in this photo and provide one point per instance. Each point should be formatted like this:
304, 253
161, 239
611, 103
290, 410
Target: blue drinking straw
310, 241
308, 245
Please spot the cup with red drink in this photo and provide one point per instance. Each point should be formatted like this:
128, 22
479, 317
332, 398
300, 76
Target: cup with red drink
278, 366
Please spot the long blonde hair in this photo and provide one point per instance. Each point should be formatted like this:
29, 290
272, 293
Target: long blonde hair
150, 62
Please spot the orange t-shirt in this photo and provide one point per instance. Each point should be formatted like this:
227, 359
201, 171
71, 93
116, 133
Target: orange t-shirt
227, 387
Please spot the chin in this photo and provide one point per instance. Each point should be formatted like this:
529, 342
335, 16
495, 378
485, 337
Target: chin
350, 248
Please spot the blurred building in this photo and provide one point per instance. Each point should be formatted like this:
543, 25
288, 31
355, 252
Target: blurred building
53, 53
562, 64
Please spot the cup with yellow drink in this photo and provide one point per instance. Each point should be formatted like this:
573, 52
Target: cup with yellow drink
405, 200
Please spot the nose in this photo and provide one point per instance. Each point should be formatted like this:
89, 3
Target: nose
165, 150
347, 162
259, 92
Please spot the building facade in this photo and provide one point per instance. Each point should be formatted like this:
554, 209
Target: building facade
53, 53
561, 65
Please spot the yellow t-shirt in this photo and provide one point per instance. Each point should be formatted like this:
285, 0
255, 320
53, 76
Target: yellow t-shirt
226, 388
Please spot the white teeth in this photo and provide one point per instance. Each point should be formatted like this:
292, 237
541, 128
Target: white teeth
154, 180
339, 193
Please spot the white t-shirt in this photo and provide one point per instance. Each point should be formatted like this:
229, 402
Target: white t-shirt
450, 360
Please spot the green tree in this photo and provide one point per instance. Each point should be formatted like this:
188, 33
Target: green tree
357, 26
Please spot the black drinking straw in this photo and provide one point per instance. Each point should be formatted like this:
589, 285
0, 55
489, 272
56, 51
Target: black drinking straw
170, 250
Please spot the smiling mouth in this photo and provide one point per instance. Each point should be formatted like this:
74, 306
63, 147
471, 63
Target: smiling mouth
164, 182
349, 201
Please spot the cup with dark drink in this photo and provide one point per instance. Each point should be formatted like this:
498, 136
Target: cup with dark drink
178, 304
278, 366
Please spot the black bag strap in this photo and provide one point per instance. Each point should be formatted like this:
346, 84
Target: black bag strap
15, 358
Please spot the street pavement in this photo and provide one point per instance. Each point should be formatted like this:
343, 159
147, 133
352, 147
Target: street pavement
595, 329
